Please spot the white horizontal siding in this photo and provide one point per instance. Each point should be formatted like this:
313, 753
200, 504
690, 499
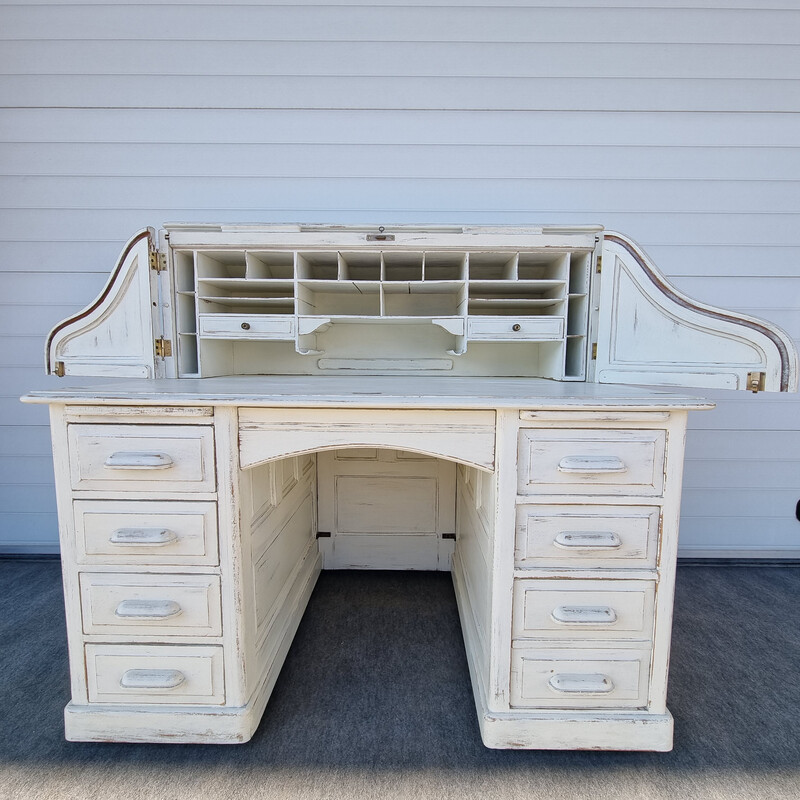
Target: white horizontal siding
531, 126
675, 122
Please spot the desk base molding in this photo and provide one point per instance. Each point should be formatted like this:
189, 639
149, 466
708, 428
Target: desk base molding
590, 731
177, 725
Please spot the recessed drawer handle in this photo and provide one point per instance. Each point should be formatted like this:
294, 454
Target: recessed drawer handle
569, 683
148, 609
592, 464
152, 679
134, 460
603, 615
588, 539
147, 537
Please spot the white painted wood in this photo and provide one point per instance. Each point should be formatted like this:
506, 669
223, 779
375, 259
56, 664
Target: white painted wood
385, 509
142, 457
151, 605
113, 336
626, 462
463, 436
583, 610
587, 536
159, 674
647, 337
146, 533
592, 678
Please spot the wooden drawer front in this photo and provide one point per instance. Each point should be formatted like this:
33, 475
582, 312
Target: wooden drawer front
141, 532
128, 674
594, 609
587, 536
606, 462
157, 605
144, 458
509, 329
246, 326
581, 678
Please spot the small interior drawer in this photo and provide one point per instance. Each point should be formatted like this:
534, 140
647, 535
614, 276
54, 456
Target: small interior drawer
145, 458
603, 462
126, 674
583, 609
505, 329
155, 533
157, 605
246, 326
587, 536
579, 678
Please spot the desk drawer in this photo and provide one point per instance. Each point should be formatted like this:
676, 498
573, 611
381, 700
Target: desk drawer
509, 329
151, 605
583, 609
246, 326
580, 678
158, 533
128, 674
602, 462
587, 536
144, 458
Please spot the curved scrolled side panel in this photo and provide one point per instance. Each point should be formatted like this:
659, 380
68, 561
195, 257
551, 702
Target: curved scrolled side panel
113, 335
650, 333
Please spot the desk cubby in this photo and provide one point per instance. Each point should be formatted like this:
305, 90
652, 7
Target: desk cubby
529, 297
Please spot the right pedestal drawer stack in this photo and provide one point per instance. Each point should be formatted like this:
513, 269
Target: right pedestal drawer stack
594, 493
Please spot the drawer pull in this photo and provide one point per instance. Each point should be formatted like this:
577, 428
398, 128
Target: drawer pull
603, 615
587, 539
134, 460
152, 679
576, 683
148, 609
592, 465
147, 537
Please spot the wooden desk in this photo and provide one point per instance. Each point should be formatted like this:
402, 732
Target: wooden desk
189, 540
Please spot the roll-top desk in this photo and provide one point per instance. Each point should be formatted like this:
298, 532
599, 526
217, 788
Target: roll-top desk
294, 398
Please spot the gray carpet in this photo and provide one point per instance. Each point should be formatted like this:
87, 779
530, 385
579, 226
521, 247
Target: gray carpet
374, 701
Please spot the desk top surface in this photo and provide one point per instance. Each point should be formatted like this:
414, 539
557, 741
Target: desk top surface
370, 392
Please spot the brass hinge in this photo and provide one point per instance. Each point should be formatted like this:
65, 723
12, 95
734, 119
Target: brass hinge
163, 348
756, 381
599, 264
594, 351
59, 369
158, 260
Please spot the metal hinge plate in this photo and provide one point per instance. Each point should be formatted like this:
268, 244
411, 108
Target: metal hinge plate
594, 351
599, 267
59, 369
158, 260
163, 348
756, 381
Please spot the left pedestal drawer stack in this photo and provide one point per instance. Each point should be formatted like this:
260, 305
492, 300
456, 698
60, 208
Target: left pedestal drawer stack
140, 552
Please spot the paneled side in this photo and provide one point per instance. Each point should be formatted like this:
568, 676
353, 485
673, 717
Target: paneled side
472, 562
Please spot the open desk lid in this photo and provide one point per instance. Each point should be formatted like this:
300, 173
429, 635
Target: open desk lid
650, 333
112, 336
642, 330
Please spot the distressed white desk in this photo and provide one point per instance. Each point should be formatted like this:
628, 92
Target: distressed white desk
196, 511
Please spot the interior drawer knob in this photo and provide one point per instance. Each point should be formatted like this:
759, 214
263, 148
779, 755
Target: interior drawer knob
605, 540
516, 327
592, 615
143, 537
152, 679
148, 609
137, 460
577, 683
592, 465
